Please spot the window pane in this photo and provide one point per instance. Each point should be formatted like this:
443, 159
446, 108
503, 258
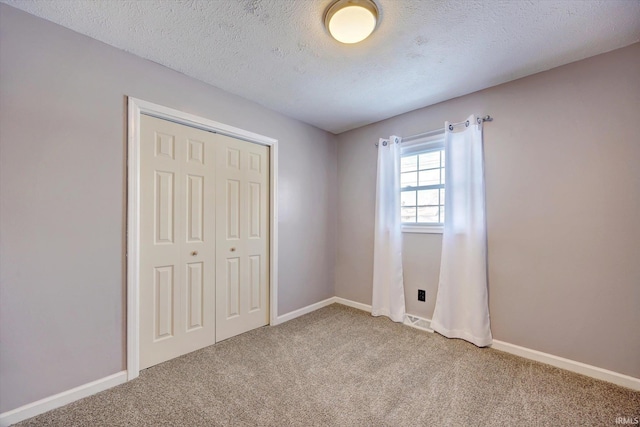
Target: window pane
430, 160
420, 170
408, 214
409, 164
428, 214
430, 177
409, 179
408, 198
428, 197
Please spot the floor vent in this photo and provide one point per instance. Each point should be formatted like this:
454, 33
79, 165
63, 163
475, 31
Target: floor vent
418, 323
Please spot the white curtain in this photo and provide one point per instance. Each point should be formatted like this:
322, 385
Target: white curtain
462, 304
388, 286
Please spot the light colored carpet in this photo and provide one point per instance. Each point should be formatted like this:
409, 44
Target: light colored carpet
341, 367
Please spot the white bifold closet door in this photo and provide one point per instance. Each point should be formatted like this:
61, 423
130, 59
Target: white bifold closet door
242, 236
204, 252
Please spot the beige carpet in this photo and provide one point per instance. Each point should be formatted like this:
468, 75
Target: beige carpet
341, 367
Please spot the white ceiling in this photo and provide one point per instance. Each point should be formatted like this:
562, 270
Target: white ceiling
277, 52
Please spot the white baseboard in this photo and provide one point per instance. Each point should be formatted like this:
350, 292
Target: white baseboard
569, 365
527, 353
358, 305
302, 311
410, 319
61, 399
318, 305
66, 397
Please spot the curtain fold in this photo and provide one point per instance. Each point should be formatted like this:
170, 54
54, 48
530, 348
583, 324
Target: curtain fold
462, 303
388, 285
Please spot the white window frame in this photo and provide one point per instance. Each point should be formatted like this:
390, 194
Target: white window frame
428, 143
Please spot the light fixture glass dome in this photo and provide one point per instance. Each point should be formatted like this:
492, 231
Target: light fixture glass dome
351, 21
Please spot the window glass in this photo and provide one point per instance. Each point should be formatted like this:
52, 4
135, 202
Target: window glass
422, 184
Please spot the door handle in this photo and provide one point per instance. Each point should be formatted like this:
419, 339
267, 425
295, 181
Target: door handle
233, 249
194, 253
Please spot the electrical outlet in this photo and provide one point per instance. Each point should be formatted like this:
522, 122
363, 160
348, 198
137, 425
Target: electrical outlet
422, 295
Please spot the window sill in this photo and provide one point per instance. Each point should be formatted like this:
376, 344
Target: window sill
423, 229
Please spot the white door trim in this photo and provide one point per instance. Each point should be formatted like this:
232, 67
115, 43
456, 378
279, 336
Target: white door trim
137, 107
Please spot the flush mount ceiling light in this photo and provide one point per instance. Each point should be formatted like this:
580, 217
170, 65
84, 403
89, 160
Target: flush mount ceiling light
351, 21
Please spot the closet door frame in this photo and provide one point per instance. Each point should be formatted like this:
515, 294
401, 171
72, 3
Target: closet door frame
136, 107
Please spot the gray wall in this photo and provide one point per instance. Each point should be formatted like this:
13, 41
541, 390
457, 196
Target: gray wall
62, 200
563, 210
563, 194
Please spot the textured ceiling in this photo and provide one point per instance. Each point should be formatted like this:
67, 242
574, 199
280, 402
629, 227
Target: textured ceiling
277, 52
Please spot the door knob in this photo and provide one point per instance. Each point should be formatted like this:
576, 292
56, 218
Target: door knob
194, 253
233, 249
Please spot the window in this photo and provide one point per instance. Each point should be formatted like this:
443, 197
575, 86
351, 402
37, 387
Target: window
422, 186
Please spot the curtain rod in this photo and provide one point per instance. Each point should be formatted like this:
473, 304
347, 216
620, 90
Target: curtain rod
486, 118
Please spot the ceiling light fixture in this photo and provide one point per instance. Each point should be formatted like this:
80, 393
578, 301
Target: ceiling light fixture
351, 21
